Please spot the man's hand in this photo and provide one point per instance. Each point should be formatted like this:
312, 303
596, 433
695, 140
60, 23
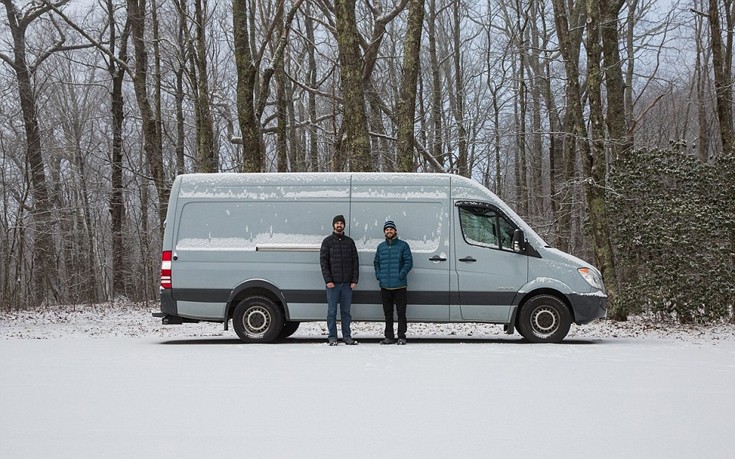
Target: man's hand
353, 285
330, 284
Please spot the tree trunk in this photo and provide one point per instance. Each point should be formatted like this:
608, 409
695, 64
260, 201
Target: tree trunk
354, 148
281, 122
436, 147
151, 138
117, 201
722, 63
537, 196
313, 152
595, 166
407, 99
521, 157
44, 256
569, 29
459, 111
206, 152
620, 143
251, 98
247, 75
179, 70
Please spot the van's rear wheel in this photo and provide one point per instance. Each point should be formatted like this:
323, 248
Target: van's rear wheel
544, 319
257, 320
289, 328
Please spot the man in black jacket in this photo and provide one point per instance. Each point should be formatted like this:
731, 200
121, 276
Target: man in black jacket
340, 269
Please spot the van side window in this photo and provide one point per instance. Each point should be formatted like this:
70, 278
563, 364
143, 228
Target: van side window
486, 227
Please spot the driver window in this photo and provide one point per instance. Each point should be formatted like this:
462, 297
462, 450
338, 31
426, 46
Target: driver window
486, 227
479, 226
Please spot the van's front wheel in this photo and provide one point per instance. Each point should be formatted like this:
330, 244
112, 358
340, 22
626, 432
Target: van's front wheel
544, 319
257, 320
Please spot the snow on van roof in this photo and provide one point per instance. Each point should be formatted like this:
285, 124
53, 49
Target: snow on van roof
336, 185
312, 178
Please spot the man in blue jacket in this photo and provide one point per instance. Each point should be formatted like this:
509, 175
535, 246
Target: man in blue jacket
392, 263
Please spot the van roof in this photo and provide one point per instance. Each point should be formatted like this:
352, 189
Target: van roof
471, 188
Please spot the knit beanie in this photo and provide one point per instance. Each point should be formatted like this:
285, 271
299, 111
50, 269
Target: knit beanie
389, 224
338, 218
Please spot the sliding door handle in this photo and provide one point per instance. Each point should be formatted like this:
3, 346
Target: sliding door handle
467, 260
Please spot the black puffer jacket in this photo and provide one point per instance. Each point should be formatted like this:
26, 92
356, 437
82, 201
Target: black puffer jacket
338, 258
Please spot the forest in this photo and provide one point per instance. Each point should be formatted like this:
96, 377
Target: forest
606, 124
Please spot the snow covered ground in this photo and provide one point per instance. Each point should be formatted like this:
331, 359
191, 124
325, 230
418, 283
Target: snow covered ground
97, 381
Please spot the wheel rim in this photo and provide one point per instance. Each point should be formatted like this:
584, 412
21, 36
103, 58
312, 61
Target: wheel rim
545, 321
256, 321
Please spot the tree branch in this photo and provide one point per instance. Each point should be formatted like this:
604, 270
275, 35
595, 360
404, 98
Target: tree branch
89, 38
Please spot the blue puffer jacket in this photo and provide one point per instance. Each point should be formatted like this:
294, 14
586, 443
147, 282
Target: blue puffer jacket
392, 263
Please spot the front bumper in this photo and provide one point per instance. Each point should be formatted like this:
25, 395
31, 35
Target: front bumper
588, 307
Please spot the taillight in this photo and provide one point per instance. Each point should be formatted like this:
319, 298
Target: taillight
166, 269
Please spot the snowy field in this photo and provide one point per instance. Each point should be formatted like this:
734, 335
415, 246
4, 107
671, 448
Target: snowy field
96, 382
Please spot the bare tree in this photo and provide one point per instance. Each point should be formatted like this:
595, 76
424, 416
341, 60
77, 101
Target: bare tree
252, 90
436, 144
569, 28
311, 82
354, 147
594, 162
407, 98
457, 94
152, 147
620, 142
722, 64
207, 160
117, 202
24, 68
702, 84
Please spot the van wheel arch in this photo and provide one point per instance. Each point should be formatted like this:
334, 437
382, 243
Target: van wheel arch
544, 317
255, 288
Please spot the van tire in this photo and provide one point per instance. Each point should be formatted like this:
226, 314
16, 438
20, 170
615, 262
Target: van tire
544, 319
257, 319
289, 328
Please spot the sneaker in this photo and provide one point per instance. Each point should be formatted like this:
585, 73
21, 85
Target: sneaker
350, 341
332, 341
387, 341
401, 341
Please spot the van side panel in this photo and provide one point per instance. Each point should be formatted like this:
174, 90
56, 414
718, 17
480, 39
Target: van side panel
420, 208
229, 233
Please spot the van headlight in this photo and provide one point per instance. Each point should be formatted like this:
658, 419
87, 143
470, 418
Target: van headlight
592, 278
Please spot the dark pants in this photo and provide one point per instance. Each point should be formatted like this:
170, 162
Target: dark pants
397, 297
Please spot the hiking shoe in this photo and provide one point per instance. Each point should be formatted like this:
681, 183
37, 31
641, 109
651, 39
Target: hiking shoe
332, 341
401, 341
350, 341
387, 341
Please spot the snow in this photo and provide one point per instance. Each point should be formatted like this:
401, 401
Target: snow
97, 381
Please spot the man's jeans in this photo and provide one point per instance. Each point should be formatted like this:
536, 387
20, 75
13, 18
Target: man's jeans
342, 294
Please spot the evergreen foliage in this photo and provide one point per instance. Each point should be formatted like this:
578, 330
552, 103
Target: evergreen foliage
672, 226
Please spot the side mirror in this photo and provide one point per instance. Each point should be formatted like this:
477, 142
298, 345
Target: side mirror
519, 241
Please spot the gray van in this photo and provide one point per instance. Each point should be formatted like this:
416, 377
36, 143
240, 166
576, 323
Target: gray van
246, 247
